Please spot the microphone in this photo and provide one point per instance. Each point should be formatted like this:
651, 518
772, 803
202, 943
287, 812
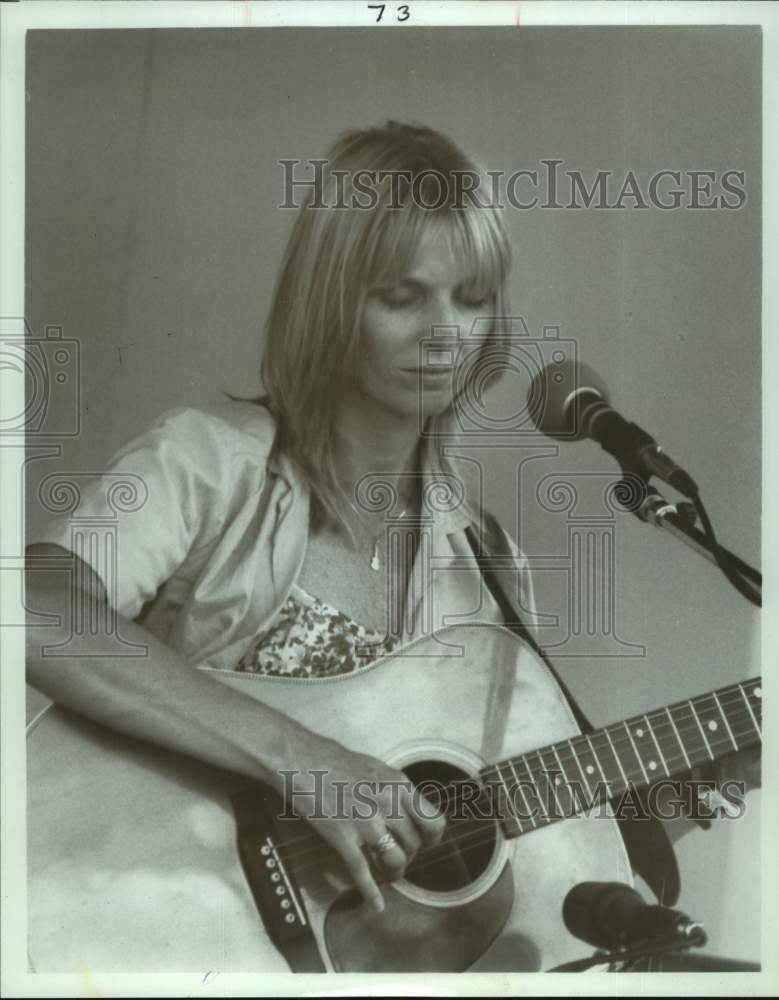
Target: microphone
611, 915
568, 401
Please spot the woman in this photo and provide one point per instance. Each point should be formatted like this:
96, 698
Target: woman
260, 522
304, 534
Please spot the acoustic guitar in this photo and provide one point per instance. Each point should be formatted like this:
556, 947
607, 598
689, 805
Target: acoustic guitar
145, 860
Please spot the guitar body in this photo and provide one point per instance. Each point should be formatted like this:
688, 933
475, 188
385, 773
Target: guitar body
133, 862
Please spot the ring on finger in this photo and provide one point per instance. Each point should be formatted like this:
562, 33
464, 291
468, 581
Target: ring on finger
386, 842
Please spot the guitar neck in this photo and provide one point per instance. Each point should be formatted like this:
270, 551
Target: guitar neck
568, 777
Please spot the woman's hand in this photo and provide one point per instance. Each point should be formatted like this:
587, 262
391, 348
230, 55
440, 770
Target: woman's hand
728, 779
366, 810
742, 766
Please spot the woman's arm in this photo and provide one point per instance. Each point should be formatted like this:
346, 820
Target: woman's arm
160, 698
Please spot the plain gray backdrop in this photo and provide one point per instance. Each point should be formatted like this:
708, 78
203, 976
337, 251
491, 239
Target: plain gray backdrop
153, 238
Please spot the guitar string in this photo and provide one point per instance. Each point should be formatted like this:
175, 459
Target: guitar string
677, 761
475, 839
677, 766
567, 753
291, 859
621, 736
478, 837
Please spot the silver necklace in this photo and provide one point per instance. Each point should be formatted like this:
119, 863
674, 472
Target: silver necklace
375, 562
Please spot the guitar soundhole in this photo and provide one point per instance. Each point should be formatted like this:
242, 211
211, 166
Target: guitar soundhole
468, 844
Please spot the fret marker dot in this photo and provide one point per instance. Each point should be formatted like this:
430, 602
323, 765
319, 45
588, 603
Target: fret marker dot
590, 769
712, 724
758, 692
652, 765
639, 733
558, 780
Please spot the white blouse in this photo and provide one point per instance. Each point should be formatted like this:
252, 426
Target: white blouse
199, 534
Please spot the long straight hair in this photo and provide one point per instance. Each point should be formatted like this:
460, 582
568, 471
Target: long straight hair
339, 250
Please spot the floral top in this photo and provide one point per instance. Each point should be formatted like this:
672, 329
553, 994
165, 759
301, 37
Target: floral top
309, 638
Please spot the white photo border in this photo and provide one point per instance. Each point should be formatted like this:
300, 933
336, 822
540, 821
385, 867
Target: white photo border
19, 17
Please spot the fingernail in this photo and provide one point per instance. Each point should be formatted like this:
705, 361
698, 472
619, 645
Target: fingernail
378, 904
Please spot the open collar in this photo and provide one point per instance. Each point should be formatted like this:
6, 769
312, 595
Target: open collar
450, 490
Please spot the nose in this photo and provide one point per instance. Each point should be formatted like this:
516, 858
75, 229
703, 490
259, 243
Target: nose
447, 317
445, 328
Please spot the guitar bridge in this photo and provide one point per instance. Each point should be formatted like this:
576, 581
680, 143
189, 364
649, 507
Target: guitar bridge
275, 894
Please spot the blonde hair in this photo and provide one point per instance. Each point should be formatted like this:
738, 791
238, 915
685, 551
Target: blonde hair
336, 253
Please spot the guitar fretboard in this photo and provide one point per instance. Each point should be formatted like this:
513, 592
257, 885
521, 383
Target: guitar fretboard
568, 777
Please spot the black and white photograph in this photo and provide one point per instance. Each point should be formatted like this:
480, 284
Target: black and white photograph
386, 435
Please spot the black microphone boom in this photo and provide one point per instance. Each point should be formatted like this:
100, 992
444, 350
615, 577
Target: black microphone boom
568, 401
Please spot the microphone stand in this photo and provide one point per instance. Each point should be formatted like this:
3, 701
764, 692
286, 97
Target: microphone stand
620, 959
679, 520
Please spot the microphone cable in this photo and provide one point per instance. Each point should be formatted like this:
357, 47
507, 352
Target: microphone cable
725, 564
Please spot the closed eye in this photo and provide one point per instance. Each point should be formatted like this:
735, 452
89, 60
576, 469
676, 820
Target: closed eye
399, 296
409, 293
478, 301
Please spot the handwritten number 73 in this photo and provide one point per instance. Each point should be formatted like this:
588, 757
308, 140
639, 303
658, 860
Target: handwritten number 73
402, 12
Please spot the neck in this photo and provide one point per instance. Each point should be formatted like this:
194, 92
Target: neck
565, 778
385, 445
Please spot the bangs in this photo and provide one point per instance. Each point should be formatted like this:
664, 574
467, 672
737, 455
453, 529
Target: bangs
473, 235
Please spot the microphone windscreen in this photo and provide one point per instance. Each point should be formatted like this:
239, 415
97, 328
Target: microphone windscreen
597, 912
555, 396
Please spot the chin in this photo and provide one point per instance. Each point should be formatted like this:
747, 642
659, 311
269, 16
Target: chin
401, 411
404, 404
